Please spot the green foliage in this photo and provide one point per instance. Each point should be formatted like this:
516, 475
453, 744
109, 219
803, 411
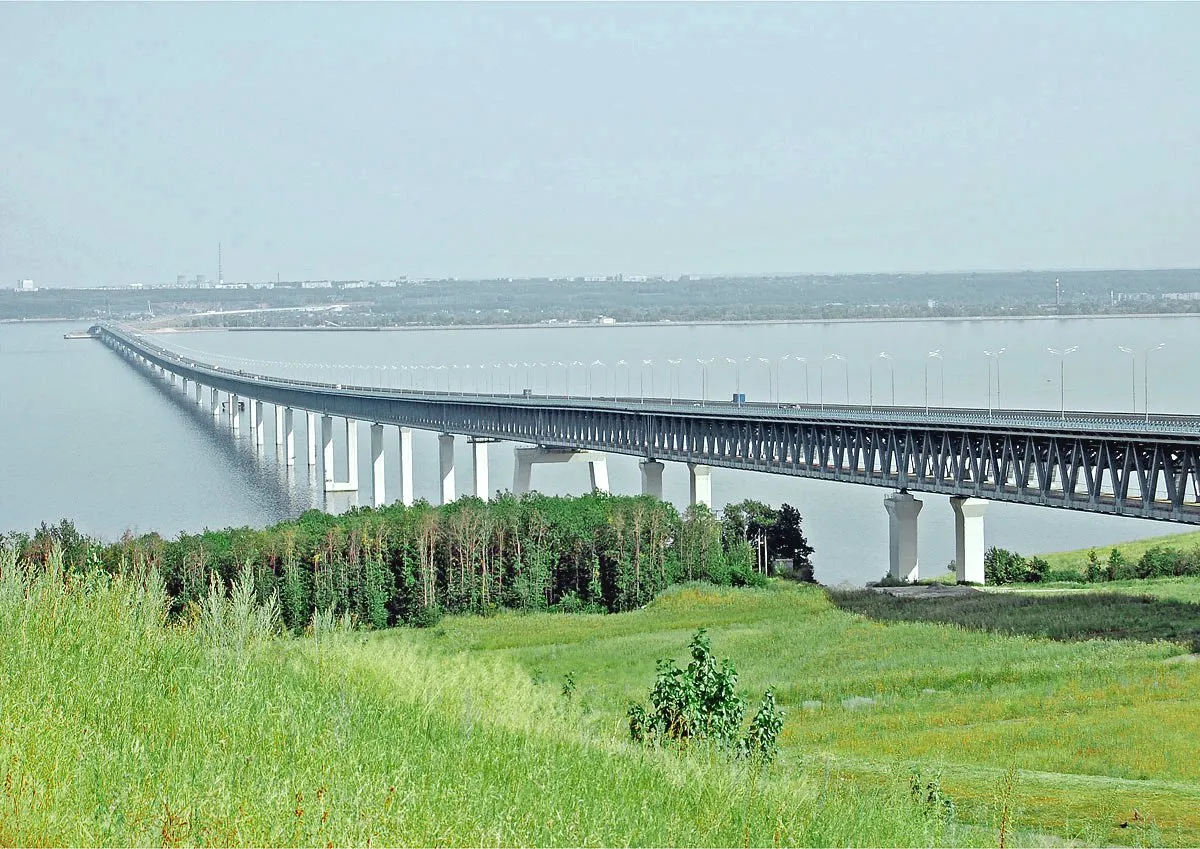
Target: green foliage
702, 703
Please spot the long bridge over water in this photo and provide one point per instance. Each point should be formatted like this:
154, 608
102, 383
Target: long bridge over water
1145, 466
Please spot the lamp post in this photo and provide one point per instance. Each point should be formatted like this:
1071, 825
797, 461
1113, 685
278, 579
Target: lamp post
595, 363
673, 389
616, 374
770, 381
642, 378
883, 355
938, 356
1062, 377
821, 373
737, 374
807, 394
704, 364
994, 356
1145, 374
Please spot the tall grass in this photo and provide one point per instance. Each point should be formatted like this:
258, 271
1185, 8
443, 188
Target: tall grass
119, 728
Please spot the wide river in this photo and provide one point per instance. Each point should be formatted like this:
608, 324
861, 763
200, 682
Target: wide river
88, 438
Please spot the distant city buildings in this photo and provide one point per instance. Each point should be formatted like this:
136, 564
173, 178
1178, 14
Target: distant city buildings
26, 286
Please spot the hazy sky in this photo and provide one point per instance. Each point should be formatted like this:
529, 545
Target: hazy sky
373, 140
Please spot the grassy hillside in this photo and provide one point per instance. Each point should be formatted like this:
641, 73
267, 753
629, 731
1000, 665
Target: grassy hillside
1067, 736
1132, 551
119, 729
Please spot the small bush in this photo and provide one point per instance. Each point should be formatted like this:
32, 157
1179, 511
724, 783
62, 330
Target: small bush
426, 617
701, 702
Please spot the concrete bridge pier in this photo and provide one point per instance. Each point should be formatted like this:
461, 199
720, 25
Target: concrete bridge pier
183, 382
256, 422
700, 484
279, 414
214, 400
652, 474
446, 464
902, 511
198, 390
378, 499
235, 416
479, 466
527, 457
406, 476
332, 484
311, 432
289, 434
968, 538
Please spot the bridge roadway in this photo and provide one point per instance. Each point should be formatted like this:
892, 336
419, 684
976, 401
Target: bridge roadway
1115, 463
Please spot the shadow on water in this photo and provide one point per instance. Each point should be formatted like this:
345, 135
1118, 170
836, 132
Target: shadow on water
286, 491
1067, 616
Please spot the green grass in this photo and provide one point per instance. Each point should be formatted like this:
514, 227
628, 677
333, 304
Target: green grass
1132, 551
1095, 729
120, 730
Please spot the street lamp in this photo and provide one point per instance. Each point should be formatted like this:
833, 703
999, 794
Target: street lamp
994, 356
1145, 374
821, 373
704, 364
770, 381
932, 355
1062, 377
883, 355
737, 374
642, 378
616, 374
807, 394
673, 390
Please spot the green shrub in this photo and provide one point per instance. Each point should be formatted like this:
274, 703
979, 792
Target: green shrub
702, 703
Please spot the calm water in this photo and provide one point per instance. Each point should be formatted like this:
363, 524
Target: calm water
89, 438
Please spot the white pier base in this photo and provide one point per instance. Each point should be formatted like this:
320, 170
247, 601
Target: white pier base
406, 475
479, 467
652, 472
902, 511
699, 484
378, 499
446, 464
968, 538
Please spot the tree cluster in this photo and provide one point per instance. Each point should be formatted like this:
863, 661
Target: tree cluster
402, 564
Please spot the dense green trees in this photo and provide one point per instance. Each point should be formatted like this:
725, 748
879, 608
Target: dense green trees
410, 564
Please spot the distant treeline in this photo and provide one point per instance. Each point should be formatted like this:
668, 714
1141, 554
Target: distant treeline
503, 301
402, 564
1001, 566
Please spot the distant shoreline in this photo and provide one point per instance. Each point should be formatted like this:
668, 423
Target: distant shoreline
758, 322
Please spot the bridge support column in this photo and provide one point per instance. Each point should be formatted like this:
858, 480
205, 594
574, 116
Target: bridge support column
183, 382
527, 457
700, 484
235, 414
327, 449
284, 416
479, 467
446, 463
214, 399
332, 484
279, 434
406, 476
377, 466
968, 538
902, 511
311, 435
652, 472
198, 389
256, 422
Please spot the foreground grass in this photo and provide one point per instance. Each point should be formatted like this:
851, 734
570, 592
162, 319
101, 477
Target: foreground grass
120, 730
1067, 736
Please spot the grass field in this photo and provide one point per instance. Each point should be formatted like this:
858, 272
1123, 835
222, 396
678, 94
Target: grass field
1091, 730
120, 730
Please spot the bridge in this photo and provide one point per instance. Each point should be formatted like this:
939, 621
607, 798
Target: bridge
1145, 466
